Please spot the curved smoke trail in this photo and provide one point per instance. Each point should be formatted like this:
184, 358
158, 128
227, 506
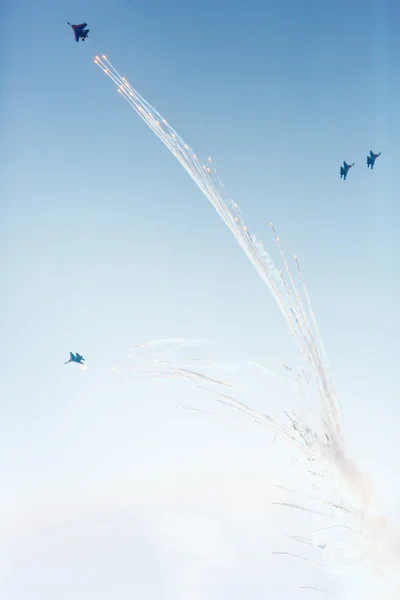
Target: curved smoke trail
380, 540
286, 294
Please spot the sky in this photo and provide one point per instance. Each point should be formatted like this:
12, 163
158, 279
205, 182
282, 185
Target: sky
107, 489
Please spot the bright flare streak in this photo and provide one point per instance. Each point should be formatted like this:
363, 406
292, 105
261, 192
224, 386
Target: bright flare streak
302, 325
289, 300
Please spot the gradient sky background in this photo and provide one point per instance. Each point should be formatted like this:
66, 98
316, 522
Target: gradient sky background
106, 243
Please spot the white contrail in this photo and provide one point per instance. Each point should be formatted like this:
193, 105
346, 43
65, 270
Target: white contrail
301, 321
206, 178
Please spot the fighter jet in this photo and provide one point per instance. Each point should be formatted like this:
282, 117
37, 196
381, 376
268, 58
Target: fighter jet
76, 358
80, 31
345, 169
372, 158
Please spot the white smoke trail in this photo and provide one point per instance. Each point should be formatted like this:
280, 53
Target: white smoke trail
327, 449
307, 587
349, 538
208, 181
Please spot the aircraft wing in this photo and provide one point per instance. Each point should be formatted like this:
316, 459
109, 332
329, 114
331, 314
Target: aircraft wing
71, 356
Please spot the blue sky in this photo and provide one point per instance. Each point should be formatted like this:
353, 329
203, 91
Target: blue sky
106, 242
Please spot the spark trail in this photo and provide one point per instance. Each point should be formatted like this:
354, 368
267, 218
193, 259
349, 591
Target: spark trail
285, 293
333, 467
